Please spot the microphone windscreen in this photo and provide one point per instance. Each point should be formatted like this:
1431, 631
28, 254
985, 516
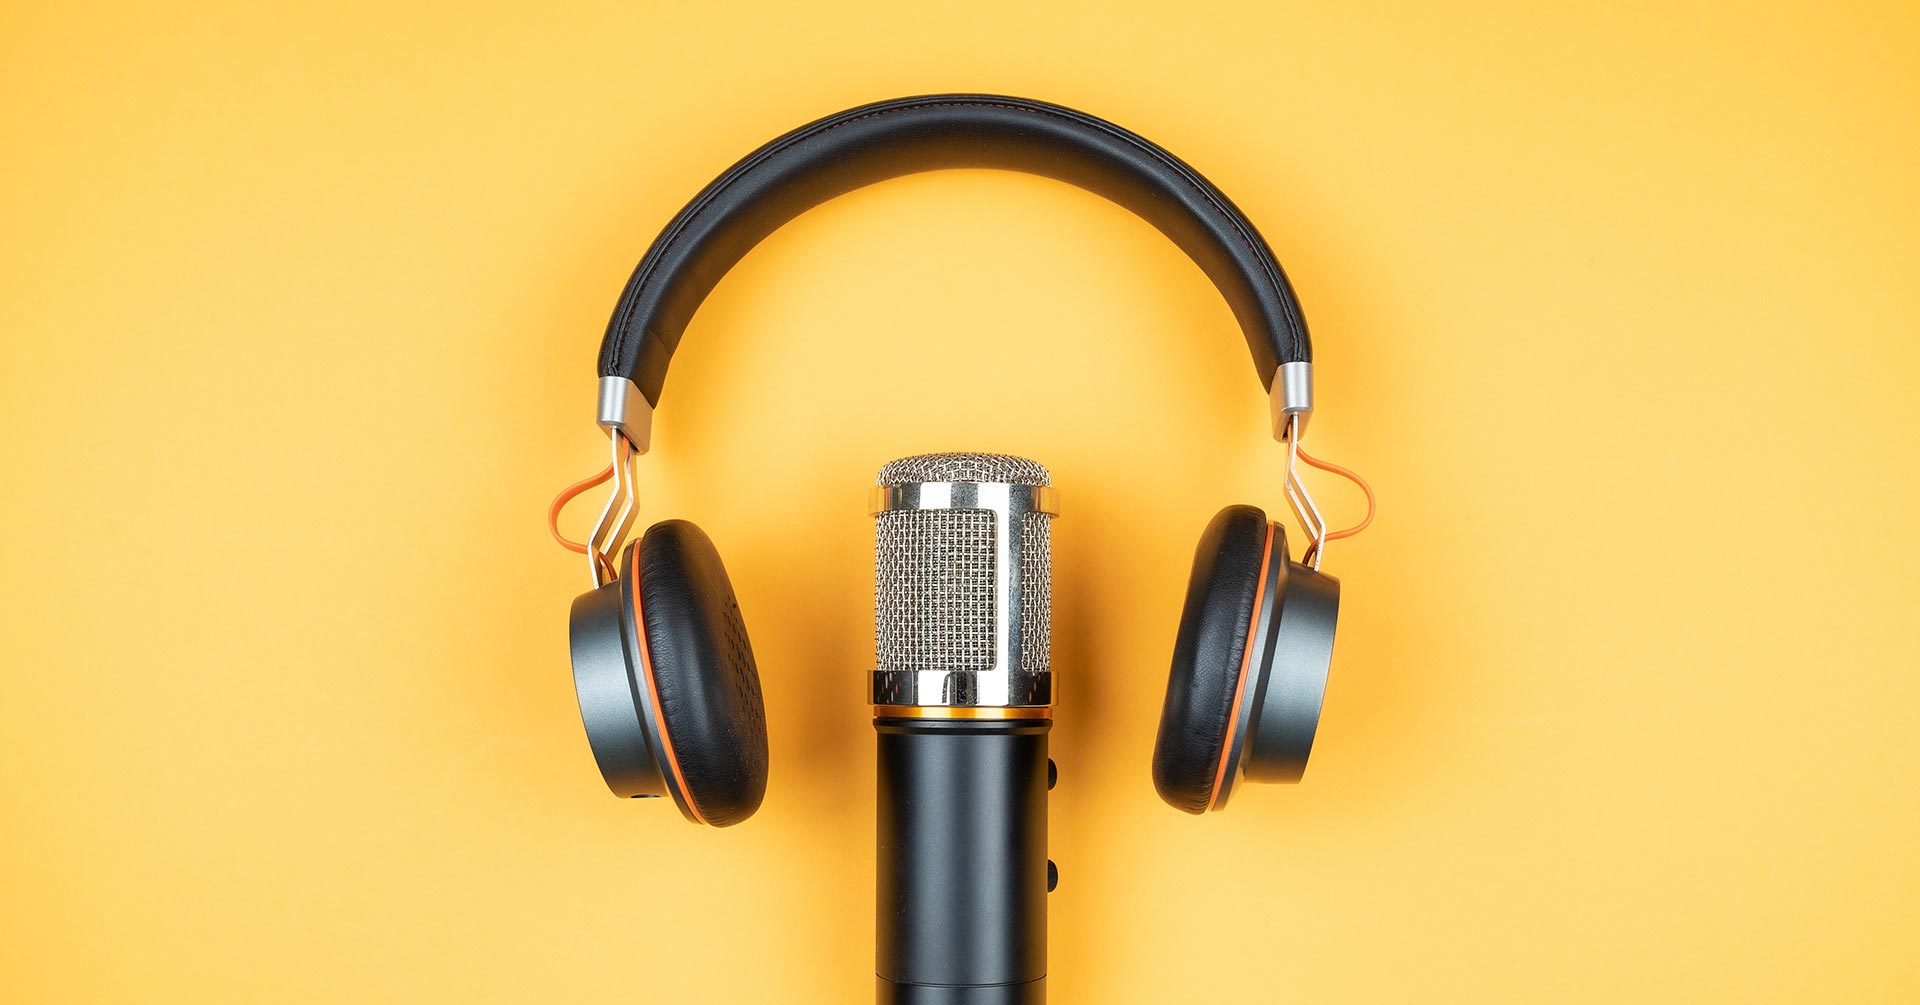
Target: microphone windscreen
941, 600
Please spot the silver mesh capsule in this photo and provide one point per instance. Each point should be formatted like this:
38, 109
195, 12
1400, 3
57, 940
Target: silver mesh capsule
963, 581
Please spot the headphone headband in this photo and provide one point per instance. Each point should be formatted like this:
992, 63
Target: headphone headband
904, 136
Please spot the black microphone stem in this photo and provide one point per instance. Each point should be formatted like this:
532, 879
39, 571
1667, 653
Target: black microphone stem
963, 872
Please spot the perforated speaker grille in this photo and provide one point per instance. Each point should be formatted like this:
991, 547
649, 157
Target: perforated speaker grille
933, 577
934, 602
1036, 593
964, 467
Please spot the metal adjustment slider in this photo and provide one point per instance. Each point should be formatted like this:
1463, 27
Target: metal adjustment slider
624, 408
1300, 500
1290, 403
1290, 396
627, 417
616, 518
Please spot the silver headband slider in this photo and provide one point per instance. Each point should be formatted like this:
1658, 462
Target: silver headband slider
1290, 394
624, 408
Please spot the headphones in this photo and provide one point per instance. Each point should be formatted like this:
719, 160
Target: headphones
665, 676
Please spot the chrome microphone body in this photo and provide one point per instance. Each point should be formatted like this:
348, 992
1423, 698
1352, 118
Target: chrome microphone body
962, 692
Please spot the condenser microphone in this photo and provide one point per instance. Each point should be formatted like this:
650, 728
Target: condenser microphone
962, 692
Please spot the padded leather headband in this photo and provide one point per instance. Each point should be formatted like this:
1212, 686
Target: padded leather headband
888, 139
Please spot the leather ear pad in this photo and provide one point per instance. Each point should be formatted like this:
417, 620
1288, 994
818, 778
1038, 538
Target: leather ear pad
703, 670
1206, 657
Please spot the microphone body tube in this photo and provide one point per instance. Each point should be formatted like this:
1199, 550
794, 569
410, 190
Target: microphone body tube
962, 865
962, 697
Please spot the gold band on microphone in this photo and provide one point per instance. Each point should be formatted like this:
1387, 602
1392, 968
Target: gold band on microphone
960, 712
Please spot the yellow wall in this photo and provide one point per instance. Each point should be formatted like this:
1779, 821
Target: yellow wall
1615, 307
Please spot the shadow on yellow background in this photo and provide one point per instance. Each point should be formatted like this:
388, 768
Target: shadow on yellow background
1614, 308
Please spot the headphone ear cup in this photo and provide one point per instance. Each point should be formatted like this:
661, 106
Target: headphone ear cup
1209, 656
703, 675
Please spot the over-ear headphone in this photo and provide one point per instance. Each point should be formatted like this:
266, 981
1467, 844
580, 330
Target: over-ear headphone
666, 679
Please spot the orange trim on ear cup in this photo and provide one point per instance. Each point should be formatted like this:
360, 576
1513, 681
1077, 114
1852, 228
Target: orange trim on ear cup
653, 691
1246, 658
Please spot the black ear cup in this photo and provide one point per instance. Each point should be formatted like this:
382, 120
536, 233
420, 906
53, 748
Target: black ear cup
667, 683
1207, 657
703, 670
1249, 665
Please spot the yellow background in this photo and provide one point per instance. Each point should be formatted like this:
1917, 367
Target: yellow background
1614, 306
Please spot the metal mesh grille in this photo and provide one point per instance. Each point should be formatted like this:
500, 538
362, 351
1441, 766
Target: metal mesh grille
933, 590
1036, 592
935, 605
963, 468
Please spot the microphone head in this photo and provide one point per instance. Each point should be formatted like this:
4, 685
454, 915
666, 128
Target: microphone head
963, 577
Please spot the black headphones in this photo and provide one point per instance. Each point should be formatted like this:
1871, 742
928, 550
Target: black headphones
666, 678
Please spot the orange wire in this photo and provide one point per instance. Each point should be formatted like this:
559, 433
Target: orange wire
1350, 476
566, 496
